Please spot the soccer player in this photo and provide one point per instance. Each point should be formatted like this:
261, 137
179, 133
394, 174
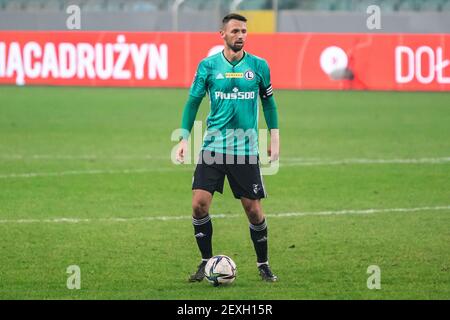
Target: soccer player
233, 79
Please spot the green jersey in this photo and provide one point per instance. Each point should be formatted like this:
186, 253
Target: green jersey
233, 90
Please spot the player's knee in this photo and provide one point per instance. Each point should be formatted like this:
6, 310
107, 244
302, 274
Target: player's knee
199, 208
254, 214
250, 207
255, 218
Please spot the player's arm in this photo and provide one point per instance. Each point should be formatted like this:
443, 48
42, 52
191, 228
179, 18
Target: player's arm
271, 117
189, 114
270, 113
196, 94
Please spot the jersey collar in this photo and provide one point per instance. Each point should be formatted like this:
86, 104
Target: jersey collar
238, 63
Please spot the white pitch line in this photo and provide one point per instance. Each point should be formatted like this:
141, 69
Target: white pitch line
302, 162
226, 216
79, 157
86, 172
290, 162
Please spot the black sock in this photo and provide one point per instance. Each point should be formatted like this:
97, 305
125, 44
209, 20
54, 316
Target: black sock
258, 233
203, 234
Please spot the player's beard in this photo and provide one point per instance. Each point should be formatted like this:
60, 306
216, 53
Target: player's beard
236, 47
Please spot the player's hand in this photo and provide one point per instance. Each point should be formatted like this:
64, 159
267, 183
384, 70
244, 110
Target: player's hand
181, 151
274, 148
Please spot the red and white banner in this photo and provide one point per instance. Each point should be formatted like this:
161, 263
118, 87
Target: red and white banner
158, 59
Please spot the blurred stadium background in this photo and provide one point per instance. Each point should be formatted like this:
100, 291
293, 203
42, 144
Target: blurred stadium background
85, 171
429, 16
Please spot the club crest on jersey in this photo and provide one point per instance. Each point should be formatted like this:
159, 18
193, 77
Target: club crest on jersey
249, 75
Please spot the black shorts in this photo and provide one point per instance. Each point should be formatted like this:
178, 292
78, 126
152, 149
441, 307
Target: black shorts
243, 174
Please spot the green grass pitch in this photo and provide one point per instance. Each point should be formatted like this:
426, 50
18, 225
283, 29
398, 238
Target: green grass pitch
100, 158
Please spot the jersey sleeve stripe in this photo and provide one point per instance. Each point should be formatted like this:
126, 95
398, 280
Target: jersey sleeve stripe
268, 92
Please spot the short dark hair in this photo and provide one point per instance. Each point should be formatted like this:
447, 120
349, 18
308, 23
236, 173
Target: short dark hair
233, 16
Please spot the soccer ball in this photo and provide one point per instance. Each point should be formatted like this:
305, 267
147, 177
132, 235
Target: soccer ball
220, 270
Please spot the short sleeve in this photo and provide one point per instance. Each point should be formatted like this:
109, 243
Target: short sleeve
199, 85
265, 86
